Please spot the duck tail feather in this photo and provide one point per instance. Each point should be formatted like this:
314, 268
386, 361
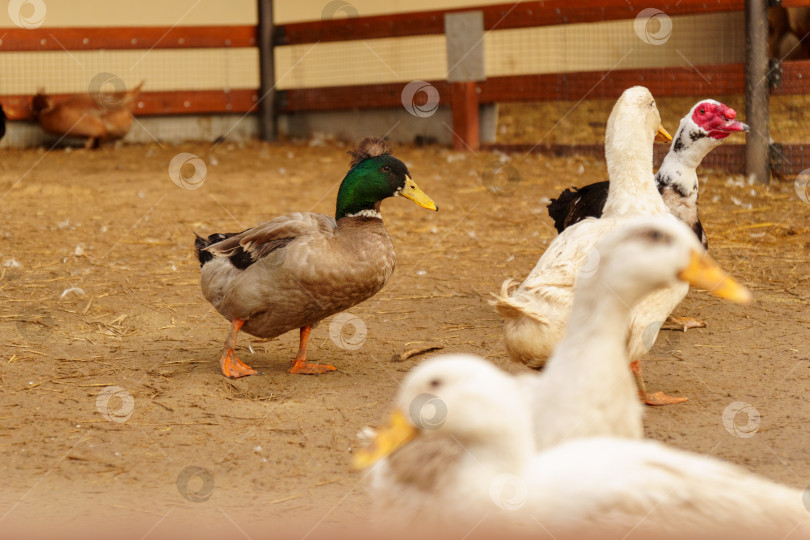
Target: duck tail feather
201, 245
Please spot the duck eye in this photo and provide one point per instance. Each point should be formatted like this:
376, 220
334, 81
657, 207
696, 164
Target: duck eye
386, 168
435, 383
702, 110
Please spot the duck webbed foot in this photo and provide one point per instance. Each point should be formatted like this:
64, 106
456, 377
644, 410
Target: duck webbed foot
300, 365
655, 398
230, 365
234, 368
682, 323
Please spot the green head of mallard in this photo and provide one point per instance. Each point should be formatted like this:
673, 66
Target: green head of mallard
376, 175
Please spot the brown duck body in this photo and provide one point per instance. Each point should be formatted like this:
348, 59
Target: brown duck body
297, 270
107, 118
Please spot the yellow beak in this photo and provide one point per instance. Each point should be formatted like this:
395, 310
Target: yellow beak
398, 432
703, 272
662, 135
412, 192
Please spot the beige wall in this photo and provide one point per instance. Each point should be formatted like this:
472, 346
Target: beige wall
696, 40
701, 39
94, 13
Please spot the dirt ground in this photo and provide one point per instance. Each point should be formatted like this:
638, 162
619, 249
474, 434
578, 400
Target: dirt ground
99, 288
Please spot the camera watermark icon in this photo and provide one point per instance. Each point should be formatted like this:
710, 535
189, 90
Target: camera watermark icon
500, 177
653, 26
180, 171
338, 331
338, 9
28, 14
107, 90
34, 325
650, 334
508, 492
802, 186
428, 99
195, 484
591, 263
753, 419
115, 404
427, 411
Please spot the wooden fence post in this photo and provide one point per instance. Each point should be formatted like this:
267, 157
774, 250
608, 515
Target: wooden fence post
464, 33
267, 113
757, 91
464, 102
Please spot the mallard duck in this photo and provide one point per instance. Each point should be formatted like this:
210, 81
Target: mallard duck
95, 118
586, 387
458, 452
296, 270
705, 127
536, 312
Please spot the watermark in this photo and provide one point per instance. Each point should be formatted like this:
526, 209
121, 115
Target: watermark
195, 484
508, 492
427, 411
500, 177
752, 419
591, 263
802, 186
806, 498
34, 325
667, 345
187, 171
108, 91
28, 14
342, 337
115, 404
338, 9
653, 26
426, 95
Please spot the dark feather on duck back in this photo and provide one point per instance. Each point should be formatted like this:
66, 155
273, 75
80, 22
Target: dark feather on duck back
201, 243
2, 122
574, 205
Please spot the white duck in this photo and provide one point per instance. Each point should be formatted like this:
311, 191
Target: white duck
536, 312
586, 388
459, 453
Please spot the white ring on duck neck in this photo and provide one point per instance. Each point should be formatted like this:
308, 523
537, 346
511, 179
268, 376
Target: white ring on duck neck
366, 213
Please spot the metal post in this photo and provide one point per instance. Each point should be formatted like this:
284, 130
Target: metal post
757, 90
267, 113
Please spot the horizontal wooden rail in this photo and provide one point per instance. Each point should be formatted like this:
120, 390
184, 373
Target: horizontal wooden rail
787, 159
703, 81
151, 37
17, 107
706, 81
500, 17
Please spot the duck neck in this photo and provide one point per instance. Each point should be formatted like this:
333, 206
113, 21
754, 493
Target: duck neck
632, 187
596, 339
678, 172
358, 210
689, 146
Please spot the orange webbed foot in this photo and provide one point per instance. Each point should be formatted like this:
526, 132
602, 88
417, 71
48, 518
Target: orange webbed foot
234, 368
301, 367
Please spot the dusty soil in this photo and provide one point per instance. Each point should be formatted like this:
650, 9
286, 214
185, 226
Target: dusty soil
274, 451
